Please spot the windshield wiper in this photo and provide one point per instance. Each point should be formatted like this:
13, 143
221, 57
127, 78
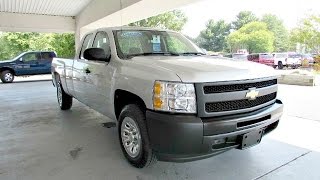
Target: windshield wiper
193, 53
154, 53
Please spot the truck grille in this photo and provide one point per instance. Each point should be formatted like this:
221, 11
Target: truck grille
229, 97
239, 104
237, 87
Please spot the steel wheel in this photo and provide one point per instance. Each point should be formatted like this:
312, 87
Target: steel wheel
131, 138
59, 94
8, 77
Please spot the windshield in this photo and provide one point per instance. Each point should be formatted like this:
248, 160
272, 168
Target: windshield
266, 56
281, 55
239, 56
146, 42
294, 55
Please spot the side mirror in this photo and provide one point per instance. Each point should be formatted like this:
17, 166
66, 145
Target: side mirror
20, 59
96, 54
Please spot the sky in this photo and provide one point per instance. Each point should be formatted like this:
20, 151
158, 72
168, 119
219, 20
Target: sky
290, 11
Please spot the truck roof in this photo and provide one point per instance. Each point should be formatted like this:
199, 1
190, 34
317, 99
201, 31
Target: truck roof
130, 28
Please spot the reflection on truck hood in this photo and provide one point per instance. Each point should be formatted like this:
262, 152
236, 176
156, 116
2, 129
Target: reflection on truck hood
206, 69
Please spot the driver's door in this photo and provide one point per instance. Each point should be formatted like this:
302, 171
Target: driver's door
99, 74
29, 64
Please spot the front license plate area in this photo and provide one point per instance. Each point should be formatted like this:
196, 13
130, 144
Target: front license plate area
250, 139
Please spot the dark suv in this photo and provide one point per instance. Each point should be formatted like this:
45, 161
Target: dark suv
27, 63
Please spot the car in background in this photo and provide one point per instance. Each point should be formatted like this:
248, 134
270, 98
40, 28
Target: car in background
280, 59
262, 58
294, 60
309, 58
240, 56
316, 58
27, 63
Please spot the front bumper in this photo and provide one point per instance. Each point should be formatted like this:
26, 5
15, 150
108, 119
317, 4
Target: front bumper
182, 138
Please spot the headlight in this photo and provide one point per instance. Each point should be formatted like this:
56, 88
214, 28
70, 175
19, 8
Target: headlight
174, 97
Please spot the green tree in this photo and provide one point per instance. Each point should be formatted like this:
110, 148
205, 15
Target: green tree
64, 45
213, 38
308, 33
14, 43
173, 20
243, 18
281, 34
254, 36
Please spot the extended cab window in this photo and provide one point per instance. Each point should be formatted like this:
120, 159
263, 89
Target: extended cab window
31, 57
102, 41
86, 44
47, 56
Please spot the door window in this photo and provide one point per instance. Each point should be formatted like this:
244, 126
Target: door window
86, 44
102, 41
47, 56
31, 57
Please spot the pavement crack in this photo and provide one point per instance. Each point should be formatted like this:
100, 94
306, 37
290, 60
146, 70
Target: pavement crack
282, 165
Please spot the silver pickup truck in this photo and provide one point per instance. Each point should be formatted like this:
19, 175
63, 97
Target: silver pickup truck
169, 100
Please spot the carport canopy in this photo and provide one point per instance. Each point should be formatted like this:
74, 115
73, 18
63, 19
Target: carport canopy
79, 16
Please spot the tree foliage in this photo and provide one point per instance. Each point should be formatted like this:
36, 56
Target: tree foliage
243, 18
173, 20
213, 38
281, 35
308, 33
14, 43
254, 36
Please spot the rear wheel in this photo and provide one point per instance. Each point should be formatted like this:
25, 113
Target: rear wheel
133, 137
7, 76
64, 99
280, 65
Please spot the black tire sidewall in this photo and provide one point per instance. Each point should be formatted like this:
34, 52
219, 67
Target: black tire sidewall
280, 65
66, 101
134, 112
2, 76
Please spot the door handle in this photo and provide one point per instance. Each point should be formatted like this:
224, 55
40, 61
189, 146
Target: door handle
87, 70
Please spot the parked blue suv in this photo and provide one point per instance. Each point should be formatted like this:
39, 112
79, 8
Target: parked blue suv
27, 63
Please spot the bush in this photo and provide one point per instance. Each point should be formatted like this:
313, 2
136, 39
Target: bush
305, 63
316, 67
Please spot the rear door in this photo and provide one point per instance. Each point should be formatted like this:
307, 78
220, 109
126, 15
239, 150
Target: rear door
45, 62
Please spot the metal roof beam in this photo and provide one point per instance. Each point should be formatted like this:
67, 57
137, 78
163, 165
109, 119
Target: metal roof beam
15, 22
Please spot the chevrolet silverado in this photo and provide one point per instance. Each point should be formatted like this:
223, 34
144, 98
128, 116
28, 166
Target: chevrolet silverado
170, 101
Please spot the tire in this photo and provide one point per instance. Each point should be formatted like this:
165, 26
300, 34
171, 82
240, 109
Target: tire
64, 100
280, 65
7, 76
133, 131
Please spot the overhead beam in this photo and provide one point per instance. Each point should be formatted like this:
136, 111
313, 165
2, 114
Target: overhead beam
14, 22
101, 13
99, 9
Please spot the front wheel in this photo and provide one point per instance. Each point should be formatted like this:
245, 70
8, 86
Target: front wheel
7, 76
133, 137
64, 99
280, 65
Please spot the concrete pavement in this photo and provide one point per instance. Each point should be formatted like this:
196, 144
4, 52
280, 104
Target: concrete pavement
38, 141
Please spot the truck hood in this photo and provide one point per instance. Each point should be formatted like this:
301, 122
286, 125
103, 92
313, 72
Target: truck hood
6, 61
205, 68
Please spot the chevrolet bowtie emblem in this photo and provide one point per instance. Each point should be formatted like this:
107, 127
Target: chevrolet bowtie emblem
252, 94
